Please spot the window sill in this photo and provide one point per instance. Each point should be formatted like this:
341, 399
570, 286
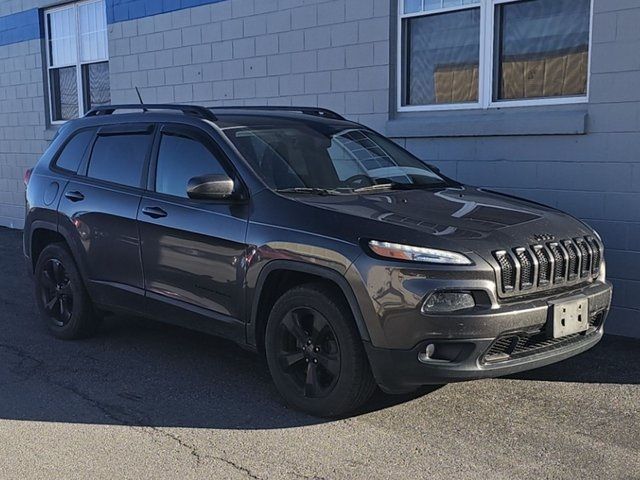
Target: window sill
488, 123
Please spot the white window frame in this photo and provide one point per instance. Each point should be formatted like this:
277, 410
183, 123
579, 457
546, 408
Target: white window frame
486, 59
78, 63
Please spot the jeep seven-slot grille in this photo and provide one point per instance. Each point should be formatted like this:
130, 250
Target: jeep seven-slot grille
545, 266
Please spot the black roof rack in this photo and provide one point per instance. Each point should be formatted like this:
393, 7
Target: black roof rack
315, 111
192, 110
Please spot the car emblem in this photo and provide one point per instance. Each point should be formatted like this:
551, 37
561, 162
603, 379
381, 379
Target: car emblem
544, 237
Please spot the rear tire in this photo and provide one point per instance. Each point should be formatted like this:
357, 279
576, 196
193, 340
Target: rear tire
315, 353
61, 295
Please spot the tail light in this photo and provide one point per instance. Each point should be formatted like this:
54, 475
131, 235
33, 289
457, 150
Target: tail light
27, 176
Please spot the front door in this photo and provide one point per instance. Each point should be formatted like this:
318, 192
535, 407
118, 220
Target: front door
193, 251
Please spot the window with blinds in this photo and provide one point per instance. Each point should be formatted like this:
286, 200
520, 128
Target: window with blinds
77, 58
457, 54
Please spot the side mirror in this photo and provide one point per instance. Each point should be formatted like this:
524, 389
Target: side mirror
210, 187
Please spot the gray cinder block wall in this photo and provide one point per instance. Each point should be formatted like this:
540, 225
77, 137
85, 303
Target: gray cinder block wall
276, 52
340, 54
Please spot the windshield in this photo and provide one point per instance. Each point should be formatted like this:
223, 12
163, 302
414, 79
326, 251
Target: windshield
330, 160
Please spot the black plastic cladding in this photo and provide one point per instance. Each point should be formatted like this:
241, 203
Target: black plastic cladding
526, 270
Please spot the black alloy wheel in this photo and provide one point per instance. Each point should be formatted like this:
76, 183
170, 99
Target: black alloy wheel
57, 292
63, 301
309, 352
315, 352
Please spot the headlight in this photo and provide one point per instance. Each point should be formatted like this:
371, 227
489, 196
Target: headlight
418, 254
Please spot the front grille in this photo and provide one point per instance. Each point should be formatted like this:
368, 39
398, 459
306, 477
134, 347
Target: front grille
542, 267
526, 268
507, 271
574, 259
596, 253
518, 345
544, 264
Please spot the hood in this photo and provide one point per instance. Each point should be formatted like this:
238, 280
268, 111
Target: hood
468, 217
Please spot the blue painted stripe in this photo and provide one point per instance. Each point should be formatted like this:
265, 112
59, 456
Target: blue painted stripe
20, 27
23, 26
123, 10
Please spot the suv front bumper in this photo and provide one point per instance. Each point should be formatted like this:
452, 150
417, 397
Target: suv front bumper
523, 344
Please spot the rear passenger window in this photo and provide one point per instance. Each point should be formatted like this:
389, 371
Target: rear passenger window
119, 158
179, 160
73, 152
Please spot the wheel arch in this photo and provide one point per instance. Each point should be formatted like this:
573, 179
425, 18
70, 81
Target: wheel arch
43, 234
280, 275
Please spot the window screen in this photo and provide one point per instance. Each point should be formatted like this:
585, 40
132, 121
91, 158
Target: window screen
119, 158
442, 58
179, 160
543, 49
492, 53
77, 58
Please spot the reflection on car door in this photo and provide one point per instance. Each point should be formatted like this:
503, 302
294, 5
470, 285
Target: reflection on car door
192, 250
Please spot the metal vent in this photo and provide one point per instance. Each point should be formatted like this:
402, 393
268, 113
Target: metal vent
559, 256
574, 259
507, 270
544, 265
585, 252
596, 255
526, 268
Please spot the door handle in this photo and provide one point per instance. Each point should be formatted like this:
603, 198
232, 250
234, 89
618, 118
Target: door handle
154, 212
74, 196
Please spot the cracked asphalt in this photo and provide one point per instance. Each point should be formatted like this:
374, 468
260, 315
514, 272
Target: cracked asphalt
144, 400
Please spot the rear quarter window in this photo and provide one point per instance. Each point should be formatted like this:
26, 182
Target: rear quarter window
73, 152
120, 158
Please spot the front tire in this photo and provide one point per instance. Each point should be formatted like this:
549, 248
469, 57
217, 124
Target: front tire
315, 353
61, 296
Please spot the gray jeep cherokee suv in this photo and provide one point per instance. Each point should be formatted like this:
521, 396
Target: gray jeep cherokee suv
341, 257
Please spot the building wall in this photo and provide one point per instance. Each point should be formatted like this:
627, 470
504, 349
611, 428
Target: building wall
340, 54
331, 53
23, 136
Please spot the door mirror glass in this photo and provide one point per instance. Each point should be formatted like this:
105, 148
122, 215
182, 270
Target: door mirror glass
210, 187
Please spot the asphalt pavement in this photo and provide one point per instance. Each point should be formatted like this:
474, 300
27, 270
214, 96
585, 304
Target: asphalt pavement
145, 400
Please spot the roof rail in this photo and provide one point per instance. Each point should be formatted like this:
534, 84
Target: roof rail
315, 111
191, 110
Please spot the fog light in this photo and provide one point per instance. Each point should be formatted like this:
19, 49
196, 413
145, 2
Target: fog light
427, 353
443, 302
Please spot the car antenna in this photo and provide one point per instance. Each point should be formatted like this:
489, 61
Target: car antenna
140, 98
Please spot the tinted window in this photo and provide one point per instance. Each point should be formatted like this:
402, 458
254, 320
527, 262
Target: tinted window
119, 158
179, 160
74, 150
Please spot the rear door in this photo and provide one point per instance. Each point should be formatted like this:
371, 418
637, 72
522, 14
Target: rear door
193, 251
99, 208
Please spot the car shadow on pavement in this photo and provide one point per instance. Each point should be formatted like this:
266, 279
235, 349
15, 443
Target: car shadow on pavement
614, 360
138, 372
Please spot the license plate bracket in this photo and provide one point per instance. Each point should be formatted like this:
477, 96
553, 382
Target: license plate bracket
570, 316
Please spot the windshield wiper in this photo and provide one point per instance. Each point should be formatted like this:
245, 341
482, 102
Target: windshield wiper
308, 190
373, 188
396, 186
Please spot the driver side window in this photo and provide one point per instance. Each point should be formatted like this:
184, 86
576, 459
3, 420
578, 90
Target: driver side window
180, 158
